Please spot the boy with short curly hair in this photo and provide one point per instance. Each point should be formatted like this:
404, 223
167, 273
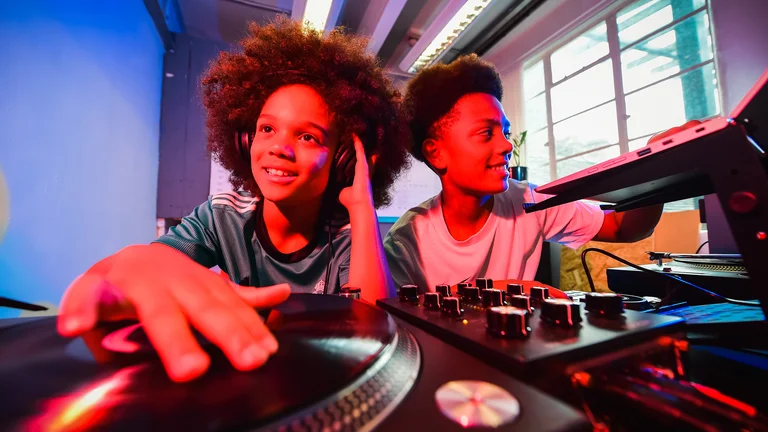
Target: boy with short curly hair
476, 227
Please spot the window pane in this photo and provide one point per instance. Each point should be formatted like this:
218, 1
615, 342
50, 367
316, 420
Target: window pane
537, 157
592, 129
587, 89
533, 80
642, 17
582, 51
682, 205
578, 163
686, 44
536, 112
672, 102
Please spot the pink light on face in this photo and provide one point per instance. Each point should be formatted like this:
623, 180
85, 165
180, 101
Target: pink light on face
84, 408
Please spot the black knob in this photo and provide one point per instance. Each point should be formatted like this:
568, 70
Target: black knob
492, 297
539, 294
605, 304
432, 300
444, 290
515, 289
472, 295
561, 312
521, 302
507, 322
484, 283
451, 306
409, 293
461, 286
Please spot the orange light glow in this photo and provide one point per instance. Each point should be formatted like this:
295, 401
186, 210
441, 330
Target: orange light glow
85, 407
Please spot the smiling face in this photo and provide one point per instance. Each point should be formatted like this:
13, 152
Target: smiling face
473, 149
293, 147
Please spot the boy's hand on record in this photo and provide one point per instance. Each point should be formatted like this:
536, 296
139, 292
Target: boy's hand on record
359, 194
168, 293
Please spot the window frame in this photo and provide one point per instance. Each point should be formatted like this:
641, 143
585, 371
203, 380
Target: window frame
608, 15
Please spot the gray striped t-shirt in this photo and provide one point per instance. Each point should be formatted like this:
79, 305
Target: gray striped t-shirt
228, 231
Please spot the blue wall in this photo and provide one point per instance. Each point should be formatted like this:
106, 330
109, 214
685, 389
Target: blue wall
80, 91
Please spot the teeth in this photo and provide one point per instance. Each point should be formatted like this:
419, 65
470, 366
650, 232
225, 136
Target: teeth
502, 168
279, 173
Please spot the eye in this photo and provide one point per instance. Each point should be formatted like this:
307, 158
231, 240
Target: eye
486, 133
266, 129
309, 138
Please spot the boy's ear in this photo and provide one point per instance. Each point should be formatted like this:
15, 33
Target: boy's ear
433, 154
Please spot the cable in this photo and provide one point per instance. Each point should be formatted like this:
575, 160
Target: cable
330, 259
637, 267
701, 246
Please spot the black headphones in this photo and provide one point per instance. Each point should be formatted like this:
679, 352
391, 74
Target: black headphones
342, 173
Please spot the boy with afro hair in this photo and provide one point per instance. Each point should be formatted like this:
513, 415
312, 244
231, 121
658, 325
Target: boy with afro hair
313, 133
476, 226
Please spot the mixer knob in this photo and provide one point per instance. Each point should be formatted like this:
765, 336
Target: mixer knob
484, 283
492, 297
472, 295
606, 304
432, 300
409, 293
521, 302
461, 286
515, 289
507, 321
451, 306
539, 294
561, 312
444, 290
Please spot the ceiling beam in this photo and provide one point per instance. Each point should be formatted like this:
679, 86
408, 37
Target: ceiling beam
379, 19
158, 18
297, 11
258, 5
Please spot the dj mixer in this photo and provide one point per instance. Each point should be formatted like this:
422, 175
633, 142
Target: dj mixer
511, 359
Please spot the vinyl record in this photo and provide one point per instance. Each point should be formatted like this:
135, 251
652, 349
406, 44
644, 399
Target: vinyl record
477, 404
326, 343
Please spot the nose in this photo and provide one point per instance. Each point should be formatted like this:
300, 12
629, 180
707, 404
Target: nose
282, 148
505, 147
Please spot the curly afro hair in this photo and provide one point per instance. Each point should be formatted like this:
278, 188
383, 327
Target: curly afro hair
337, 65
433, 93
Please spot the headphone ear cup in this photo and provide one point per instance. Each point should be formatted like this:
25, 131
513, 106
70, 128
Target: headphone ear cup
243, 141
344, 167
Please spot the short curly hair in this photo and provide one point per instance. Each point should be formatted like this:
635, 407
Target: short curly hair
337, 65
433, 93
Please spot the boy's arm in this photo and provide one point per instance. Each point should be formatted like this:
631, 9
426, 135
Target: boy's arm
629, 226
367, 268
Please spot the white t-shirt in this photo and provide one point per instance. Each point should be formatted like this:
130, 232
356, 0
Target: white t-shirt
421, 251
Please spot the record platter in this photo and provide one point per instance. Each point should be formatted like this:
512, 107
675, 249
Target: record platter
342, 364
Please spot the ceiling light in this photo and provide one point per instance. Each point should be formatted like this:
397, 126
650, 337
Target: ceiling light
316, 13
452, 21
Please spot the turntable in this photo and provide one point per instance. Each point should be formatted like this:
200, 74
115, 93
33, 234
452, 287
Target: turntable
342, 365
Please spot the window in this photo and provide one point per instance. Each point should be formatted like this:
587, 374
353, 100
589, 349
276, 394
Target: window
646, 67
